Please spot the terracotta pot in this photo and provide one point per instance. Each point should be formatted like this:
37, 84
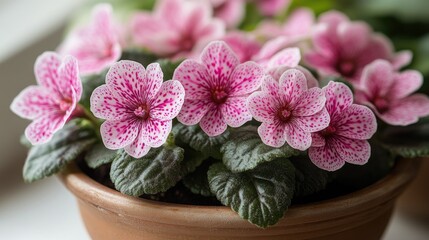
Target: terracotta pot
414, 202
109, 214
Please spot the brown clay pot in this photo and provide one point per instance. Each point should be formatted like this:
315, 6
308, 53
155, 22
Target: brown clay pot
109, 214
415, 200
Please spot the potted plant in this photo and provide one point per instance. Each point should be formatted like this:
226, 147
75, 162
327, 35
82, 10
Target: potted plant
181, 129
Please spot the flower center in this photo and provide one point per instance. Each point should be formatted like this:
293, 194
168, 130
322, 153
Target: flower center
381, 104
346, 68
187, 43
329, 131
142, 112
284, 114
219, 95
65, 104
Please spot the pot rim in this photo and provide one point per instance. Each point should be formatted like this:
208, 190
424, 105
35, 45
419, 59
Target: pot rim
380, 193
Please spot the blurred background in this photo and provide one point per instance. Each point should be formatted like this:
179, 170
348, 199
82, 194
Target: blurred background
45, 210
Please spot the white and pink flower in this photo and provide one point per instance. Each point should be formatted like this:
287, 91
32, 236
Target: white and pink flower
389, 93
231, 12
97, 45
176, 28
345, 139
343, 48
138, 107
288, 110
51, 103
245, 46
217, 88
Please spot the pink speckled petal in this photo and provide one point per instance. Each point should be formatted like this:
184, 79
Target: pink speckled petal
317, 140
220, 61
153, 80
42, 129
235, 112
356, 122
314, 122
155, 132
246, 78
107, 106
296, 137
69, 78
272, 134
192, 111
326, 157
292, 85
194, 78
352, 150
137, 148
271, 88
353, 37
338, 97
244, 45
310, 102
402, 58
312, 82
46, 71
213, 123
407, 110
378, 78
262, 106
289, 57
125, 80
271, 47
118, 134
33, 102
379, 47
169, 100
405, 83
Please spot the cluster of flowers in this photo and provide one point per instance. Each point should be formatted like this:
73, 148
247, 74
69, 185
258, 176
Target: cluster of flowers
228, 78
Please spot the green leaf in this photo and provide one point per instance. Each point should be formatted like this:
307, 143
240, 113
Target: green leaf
246, 150
309, 178
197, 181
24, 141
155, 172
89, 83
196, 138
140, 56
168, 67
261, 195
410, 141
65, 146
99, 155
192, 159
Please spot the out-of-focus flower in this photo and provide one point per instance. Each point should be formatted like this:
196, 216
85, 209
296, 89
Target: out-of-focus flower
217, 88
272, 7
138, 107
176, 28
97, 45
244, 46
51, 103
344, 48
289, 112
231, 12
345, 139
389, 93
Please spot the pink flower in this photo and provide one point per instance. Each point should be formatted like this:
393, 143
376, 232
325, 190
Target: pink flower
271, 58
244, 46
230, 12
176, 28
95, 46
345, 139
297, 27
388, 93
217, 88
138, 107
272, 7
344, 48
288, 110
51, 103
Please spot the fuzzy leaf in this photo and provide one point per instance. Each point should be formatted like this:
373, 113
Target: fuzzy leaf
197, 181
89, 83
65, 146
199, 140
245, 150
168, 68
261, 195
99, 155
410, 141
155, 172
309, 178
142, 57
